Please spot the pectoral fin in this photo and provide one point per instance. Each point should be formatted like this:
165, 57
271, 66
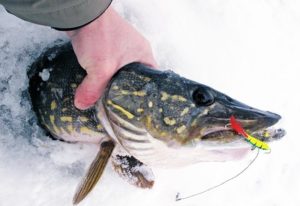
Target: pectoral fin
134, 171
94, 172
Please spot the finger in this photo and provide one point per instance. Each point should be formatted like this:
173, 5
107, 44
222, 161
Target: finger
93, 85
89, 91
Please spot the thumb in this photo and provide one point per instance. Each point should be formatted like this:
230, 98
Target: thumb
90, 90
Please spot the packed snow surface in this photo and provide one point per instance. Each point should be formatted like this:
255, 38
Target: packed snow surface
249, 50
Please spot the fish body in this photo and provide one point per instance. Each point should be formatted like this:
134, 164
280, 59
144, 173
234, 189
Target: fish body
154, 118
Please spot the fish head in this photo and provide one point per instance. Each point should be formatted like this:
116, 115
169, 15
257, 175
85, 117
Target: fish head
183, 116
212, 126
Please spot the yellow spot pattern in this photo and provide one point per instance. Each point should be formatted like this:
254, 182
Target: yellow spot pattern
70, 128
164, 96
99, 126
185, 111
146, 79
121, 109
53, 105
140, 110
52, 120
180, 129
169, 121
73, 85
135, 93
125, 92
163, 134
66, 119
139, 93
178, 98
148, 121
83, 119
88, 131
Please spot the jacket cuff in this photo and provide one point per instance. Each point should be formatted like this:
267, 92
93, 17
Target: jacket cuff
69, 18
78, 27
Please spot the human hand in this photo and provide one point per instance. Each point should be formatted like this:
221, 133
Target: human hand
102, 47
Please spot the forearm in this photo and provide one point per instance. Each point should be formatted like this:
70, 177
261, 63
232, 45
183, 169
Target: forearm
67, 14
102, 46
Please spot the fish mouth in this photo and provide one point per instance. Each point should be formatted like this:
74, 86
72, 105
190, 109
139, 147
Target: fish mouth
226, 134
216, 127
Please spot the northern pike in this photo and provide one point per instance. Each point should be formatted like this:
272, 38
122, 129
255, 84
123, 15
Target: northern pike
146, 118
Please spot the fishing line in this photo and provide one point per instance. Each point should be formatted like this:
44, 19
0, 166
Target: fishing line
178, 198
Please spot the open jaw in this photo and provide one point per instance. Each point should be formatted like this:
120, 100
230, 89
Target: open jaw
216, 131
222, 143
225, 137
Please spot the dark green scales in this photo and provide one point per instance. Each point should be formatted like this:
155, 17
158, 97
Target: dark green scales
138, 94
145, 117
53, 94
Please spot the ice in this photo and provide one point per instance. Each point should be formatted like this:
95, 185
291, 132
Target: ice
247, 49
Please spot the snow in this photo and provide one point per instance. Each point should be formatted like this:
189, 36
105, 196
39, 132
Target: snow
45, 74
247, 49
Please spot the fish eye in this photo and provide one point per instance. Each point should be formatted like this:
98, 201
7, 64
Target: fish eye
201, 97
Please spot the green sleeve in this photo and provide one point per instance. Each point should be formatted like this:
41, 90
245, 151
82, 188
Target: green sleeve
61, 14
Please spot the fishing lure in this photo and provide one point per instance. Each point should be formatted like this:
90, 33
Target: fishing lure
252, 140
